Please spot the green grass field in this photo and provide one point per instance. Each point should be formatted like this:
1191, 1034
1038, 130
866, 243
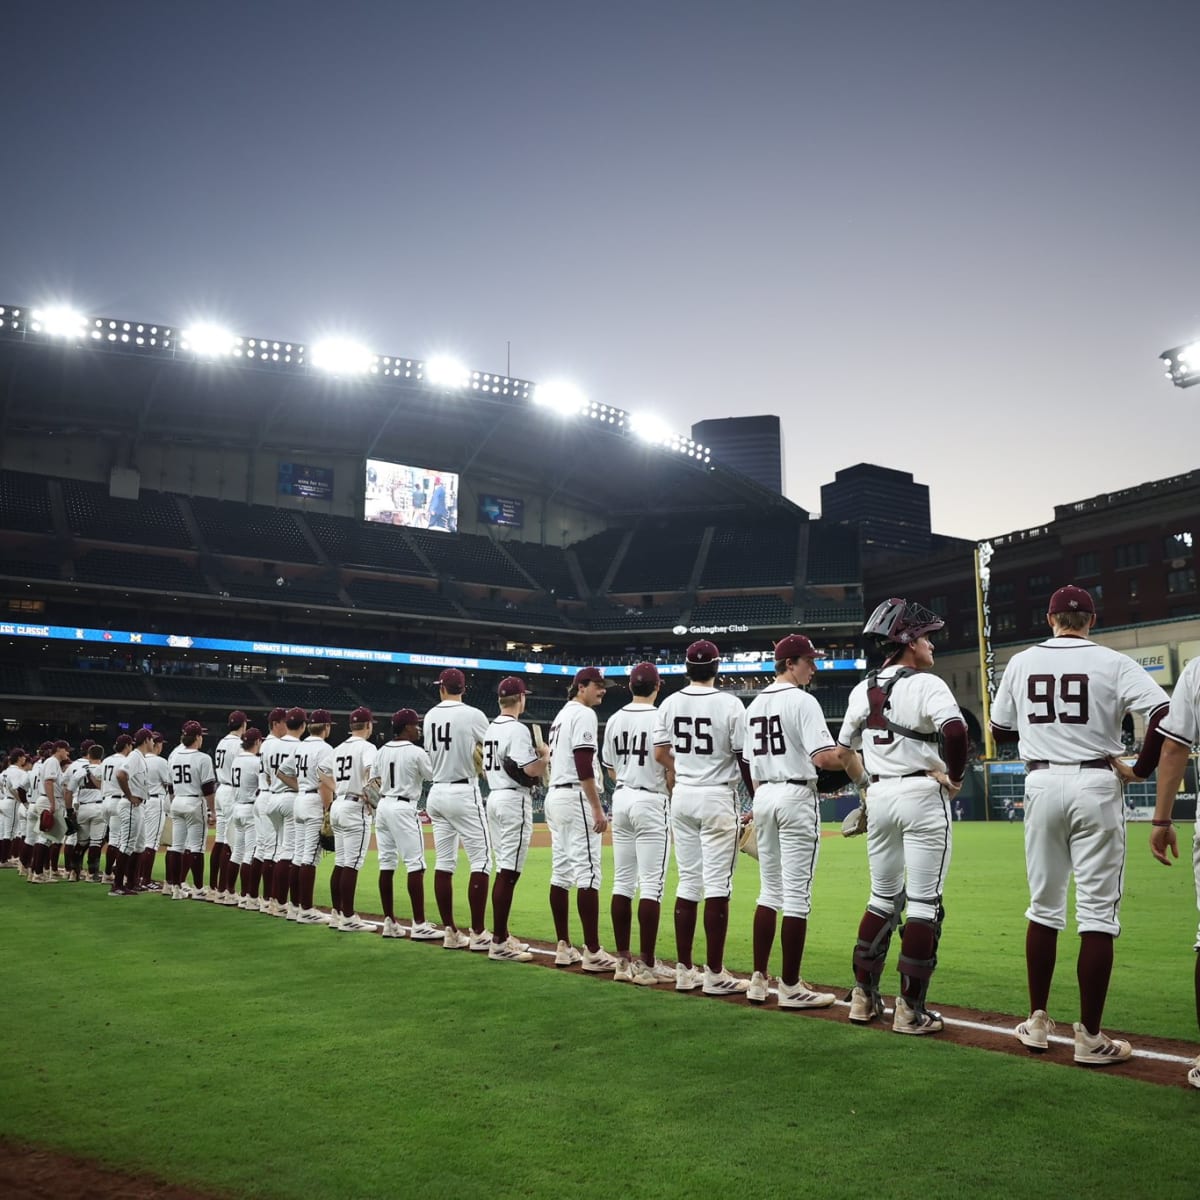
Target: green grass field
326, 1065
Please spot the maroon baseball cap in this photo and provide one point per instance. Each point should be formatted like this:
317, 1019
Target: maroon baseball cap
86, 745
796, 645
143, 736
122, 741
1071, 599
190, 729
252, 735
321, 716
237, 719
453, 681
361, 716
295, 714
511, 686
159, 739
703, 652
592, 675
404, 718
61, 745
45, 748
276, 715
644, 672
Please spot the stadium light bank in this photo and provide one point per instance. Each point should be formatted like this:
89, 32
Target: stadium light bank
341, 357
1183, 364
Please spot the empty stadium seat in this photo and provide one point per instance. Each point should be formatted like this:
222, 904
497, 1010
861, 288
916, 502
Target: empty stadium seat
349, 542
152, 518
595, 555
660, 558
833, 554
468, 557
743, 610
95, 685
206, 693
124, 568
548, 565
251, 531
25, 503
386, 595
751, 555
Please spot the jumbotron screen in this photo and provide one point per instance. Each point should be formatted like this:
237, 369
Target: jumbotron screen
419, 497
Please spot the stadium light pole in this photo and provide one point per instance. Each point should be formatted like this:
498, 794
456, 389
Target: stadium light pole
1183, 364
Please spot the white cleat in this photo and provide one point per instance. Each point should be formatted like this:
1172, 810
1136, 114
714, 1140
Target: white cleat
759, 989
598, 963
455, 939
508, 951
643, 976
687, 979
624, 971
355, 924
566, 955
863, 1007
310, 916
392, 929
425, 932
721, 983
1099, 1050
800, 995
916, 1021
292, 911
480, 942
1193, 1076
662, 972
335, 920
1035, 1031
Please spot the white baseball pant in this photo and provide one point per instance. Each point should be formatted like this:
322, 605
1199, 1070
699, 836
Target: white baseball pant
1075, 824
57, 831
350, 818
398, 835
309, 815
128, 827
787, 820
908, 838
641, 839
154, 820
705, 822
510, 822
458, 817
1196, 873
286, 808
224, 802
92, 822
266, 830
8, 817
574, 844
187, 826
242, 832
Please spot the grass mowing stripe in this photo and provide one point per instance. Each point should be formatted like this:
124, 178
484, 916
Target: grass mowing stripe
324, 1065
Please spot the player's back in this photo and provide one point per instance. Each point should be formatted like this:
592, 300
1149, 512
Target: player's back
629, 748
784, 728
917, 700
506, 738
452, 731
704, 728
228, 748
353, 762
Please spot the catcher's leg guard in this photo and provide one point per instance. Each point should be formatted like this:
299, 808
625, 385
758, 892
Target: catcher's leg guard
869, 956
915, 972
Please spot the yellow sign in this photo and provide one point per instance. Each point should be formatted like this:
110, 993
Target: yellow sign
1156, 661
1188, 651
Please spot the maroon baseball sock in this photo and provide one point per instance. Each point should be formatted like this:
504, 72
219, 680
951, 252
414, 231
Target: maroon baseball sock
174, 874
387, 894
5, 849
587, 901
765, 921
716, 925
146, 865
40, 854
228, 874
110, 859
294, 884
416, 896
1198, 989
477, 898
621, 911
502, 898
560, 911
283, 877
868, 929
1041, 952
307, 884
443, 893
919, 943
268, 880
1093, 970
349, 887
335, 889
685, 929
791, 942
216, 864
93, 860
649, 912
55, 852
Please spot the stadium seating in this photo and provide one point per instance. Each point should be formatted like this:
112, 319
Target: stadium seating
660, 558
251, 531
365, 544
310, 696
595, 555
385, 595
833, 554
153, 518
529, 610
141, 572
468, 557
95, 685
619, 618
758, 555
832, 696
207, 693
14, 681
548, 565
29, 568
302, 590
385, 699
25, 503
743, 610
829, 612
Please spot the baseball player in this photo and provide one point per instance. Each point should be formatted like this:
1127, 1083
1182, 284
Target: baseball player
154, 814
83, 784
50, 800
312, 767
641, 829
786, 742
699, 733
267, 832
194, 781
402, 768
74, 853
226, 751
1181, 730
33, 816
899, 714
511, 764
577, 821
110, 792
350, 816
13, 781
244, 777
133, 778
1065, 700
284, 786
453, 730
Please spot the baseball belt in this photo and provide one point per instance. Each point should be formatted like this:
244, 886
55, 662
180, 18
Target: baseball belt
1092, 764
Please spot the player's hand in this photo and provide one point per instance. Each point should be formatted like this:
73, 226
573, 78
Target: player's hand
1162, 838
1123, 771
599, 820
945, 781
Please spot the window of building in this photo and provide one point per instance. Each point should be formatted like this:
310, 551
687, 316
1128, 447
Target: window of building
1001, 593
939, 605
1182, 580
1133, 554
1178, 545
1006, 622
1087, 564
1037, 618
1039, 585
1133, 587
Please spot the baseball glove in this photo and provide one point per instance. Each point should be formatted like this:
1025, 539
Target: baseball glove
478, 759
748, 843
72, 822
856, 821
371, 794
46, 821
326, 834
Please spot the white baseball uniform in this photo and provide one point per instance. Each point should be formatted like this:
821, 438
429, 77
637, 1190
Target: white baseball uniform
283, 799
350, 816
641, 809
12, 781
156, 808
1066, 699
33, 792
313, 761
227, 749
268, 831
785, 727
574, 843
908, 833
83, 778
128, 838
110, 791
51, 773
1182, 724
402, 768
509, 804
452, 731
193, 778
704, 727
243, 778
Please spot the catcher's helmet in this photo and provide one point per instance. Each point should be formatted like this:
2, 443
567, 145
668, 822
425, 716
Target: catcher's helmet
901, 621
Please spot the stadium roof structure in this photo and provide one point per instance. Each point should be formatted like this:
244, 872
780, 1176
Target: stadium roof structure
66, 373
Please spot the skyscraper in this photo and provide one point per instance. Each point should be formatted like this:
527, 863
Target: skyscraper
751, 445
890, 510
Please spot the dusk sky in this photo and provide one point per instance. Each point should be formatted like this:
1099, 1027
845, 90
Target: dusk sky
950, 238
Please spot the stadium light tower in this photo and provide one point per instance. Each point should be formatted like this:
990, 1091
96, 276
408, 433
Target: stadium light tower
340, 356
208, 341
650, 428
561, 397
446, 373
58, 320
1183, 364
